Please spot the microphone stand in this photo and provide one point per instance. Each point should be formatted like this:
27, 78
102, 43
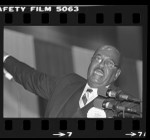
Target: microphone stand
123, 113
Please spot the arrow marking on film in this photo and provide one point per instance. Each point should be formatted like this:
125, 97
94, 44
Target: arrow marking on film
60, 134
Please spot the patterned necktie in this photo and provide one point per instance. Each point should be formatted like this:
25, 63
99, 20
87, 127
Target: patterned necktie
86, 96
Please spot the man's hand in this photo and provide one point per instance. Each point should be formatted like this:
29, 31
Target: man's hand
7, 75
5, 56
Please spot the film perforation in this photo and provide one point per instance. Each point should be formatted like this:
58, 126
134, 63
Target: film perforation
136, 18
99, 125
26, 125
63, 18
81, 18
45, 125
63, 124
118, 18
135, 124
99, 18
26, 18
8, 18
117, 124
8, 125
81, 125
45, 18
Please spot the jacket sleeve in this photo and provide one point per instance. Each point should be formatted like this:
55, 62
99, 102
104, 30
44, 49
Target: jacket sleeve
31, 79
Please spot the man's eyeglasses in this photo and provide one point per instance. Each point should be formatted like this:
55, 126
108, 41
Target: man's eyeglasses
107, 62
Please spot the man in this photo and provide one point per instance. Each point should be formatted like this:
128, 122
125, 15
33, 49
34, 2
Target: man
72, 96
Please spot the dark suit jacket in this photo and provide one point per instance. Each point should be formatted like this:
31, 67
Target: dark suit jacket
61, 93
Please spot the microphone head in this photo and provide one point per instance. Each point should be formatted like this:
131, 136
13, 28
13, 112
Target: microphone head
104, 103
108, 92
111, 93
110, 104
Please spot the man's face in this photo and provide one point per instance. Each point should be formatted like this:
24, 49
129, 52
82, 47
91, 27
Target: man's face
103, 67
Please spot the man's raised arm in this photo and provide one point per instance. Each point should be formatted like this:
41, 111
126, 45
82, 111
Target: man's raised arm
31, 79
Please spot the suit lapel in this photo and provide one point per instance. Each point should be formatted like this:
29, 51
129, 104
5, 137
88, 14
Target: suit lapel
67, 93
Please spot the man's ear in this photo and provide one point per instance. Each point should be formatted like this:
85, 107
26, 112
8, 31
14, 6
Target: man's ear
117, 74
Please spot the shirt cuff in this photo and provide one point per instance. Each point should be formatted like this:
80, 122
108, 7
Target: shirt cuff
5, 57
7, 74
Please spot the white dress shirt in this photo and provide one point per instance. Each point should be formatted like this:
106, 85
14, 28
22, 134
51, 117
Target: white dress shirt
93, 112
90, 96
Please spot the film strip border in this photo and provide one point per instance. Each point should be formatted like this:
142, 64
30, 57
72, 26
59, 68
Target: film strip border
96, 15
73, 128
87, 16
63, 18
99, 125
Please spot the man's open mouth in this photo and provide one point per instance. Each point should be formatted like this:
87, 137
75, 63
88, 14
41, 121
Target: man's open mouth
98, 72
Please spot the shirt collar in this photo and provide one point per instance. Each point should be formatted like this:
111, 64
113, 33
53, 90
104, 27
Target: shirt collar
88, 87
92, 96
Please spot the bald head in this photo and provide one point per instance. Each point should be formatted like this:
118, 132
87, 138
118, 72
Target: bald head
109, 48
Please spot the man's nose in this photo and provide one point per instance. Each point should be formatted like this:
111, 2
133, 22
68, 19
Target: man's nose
102, 64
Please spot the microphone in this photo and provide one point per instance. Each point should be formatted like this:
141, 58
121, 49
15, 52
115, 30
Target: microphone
112, 104
119, 95
129, 115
